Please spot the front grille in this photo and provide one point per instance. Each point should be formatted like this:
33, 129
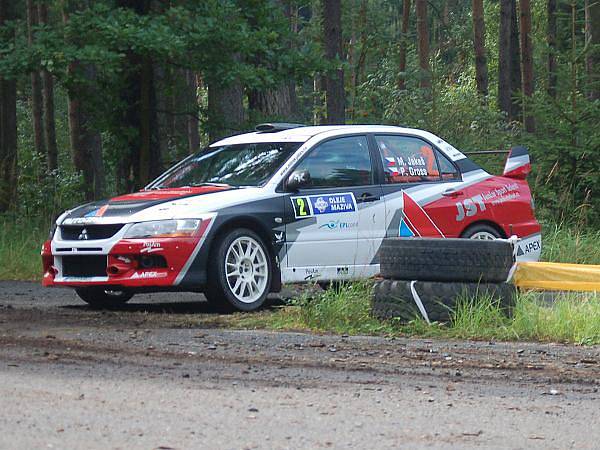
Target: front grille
88, 232
84, 266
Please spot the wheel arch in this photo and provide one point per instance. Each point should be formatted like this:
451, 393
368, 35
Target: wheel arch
259, 228
489, 223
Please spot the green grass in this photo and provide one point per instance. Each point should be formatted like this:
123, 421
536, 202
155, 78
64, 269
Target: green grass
568, 245
571, 318
20, 245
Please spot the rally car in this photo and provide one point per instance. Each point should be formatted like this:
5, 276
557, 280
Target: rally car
285, 204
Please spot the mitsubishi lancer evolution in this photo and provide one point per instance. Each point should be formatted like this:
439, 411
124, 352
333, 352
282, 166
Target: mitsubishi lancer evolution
285, 204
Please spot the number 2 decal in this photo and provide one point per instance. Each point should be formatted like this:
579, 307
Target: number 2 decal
301, 207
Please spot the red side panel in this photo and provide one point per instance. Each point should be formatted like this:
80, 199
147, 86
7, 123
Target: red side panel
499, 200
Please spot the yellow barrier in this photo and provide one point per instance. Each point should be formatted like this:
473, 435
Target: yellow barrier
557, 276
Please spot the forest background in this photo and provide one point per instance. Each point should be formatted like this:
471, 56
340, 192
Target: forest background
99, 97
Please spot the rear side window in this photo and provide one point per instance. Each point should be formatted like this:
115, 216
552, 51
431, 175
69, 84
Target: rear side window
407, 159
448, 171
342, 162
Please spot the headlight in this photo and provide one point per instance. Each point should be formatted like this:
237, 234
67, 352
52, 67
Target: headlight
163, 228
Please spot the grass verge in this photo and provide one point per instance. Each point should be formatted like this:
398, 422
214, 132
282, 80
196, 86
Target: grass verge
569, 318
20, 244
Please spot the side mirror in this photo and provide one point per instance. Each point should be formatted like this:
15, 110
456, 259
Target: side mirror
297, 180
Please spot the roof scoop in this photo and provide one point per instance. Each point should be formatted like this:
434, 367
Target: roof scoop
275, 127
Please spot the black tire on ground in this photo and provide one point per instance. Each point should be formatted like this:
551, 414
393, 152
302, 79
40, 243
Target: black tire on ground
102, 298
327, 285
457, 260
481, 231
394, 299
218, 292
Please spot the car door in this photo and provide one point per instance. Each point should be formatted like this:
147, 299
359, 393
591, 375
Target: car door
413, 179
323, 217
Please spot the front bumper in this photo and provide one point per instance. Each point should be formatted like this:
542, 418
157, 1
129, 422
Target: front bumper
130, 263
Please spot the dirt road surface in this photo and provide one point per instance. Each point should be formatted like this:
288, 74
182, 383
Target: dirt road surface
161, 373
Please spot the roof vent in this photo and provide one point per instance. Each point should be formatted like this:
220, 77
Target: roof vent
275, 127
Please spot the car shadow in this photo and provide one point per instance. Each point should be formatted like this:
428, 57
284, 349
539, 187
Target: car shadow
172, 307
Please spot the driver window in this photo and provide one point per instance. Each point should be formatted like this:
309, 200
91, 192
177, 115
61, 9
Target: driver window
340, 162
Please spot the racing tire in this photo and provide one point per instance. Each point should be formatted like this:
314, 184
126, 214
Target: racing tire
240, 273
481, 232
456, 260
394, 300
101, 298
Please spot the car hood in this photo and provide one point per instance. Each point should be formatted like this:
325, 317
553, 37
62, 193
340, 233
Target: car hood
189, 202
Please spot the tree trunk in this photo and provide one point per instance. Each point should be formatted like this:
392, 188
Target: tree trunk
150, 162
481, 70
277, 103
527, 64
48, 102
141, 160
403, 44
504, 58
334, 80
85, 142
225, 109
592, 60
36, 90
551, 40
193, 132
8, 126
423, 40
515, 64
281, 101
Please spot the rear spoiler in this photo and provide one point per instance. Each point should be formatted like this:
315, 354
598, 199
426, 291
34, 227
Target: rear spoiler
517, 163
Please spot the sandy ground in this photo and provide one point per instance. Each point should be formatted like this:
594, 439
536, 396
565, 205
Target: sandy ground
162, 373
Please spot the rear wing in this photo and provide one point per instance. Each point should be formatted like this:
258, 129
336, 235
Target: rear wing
517, 165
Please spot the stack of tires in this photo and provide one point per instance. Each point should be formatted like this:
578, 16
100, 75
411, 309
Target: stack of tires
435, 274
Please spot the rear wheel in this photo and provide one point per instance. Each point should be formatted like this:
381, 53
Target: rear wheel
240, 277
101, 298
482, 232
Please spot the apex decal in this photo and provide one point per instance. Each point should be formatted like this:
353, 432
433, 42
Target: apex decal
314, 205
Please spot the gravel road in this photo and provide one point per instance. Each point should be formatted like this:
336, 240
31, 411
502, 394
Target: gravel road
163, 373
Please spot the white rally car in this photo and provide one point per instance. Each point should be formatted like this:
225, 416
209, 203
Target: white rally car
285, 204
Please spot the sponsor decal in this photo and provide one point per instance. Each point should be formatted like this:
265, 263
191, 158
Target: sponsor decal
469, 207
81, 221
338, 225
343, 270
97, 212
151, 247
314, 205
145, 275
311, 273
533, 246
279, 237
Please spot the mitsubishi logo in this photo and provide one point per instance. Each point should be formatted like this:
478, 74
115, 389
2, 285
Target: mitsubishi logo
84, 235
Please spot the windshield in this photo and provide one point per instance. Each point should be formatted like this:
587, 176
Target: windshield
234, 165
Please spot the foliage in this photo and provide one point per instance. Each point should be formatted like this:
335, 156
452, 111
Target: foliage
254, 43
341, 309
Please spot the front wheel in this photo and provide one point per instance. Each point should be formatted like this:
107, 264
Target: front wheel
101, 298
240, 276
